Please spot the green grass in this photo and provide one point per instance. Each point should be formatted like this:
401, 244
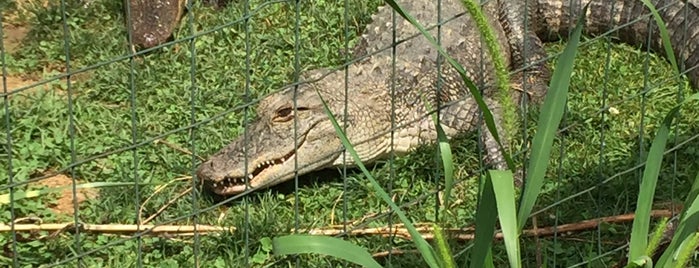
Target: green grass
40, 136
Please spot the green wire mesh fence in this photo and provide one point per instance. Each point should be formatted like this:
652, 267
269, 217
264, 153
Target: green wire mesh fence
105, 128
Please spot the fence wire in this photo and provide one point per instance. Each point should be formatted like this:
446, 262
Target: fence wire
118, 118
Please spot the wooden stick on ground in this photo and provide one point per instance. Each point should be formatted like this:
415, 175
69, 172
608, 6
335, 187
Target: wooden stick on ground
122, 229
468, 233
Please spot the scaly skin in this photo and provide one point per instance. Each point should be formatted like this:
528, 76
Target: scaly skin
556, 21
268, 156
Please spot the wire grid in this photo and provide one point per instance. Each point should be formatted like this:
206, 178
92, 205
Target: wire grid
81, 251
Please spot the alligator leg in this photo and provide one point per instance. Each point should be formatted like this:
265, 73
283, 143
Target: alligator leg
527, 50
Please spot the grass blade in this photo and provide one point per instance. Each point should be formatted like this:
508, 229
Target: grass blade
688, 223
689, 219
641, 223
445, 155
486, 217
639, 231
504, 189
425, 249
447, 163
331, 246
664, 35
549, 120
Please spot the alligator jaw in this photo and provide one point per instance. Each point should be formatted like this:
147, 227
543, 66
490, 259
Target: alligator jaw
265, 173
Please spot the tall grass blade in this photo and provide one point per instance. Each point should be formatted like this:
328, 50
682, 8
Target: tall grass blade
445, 155
689, 219
664, 35
639, 243
641, 223
549, 120
447, 163
639, 230
504, 188
486, 217
330, 246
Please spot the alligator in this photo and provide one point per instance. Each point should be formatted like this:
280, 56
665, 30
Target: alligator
152, 22
385, 105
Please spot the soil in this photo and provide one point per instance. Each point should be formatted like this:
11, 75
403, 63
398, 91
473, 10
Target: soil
63, 204
12, 38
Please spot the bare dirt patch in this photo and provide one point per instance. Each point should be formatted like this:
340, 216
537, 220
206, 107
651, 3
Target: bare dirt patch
13, 36
17, 82
63, 204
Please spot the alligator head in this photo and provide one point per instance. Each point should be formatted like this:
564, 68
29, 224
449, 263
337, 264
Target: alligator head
286, 138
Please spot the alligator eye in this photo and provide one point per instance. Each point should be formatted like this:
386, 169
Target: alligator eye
284, 114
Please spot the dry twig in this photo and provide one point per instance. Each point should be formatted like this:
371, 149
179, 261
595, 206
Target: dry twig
161, 209
121, 229
468, 233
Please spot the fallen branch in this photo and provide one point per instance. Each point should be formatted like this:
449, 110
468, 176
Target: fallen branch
121, 229
468, 233
395, 230
384, 254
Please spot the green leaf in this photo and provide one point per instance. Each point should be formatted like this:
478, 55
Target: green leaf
664, 35
641, 223
331, 246
639, 239
445, 154
266, 244
643, 261
549, 120
504, 189
486, 217
447, 163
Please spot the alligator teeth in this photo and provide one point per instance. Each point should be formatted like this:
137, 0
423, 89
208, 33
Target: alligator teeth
249, 176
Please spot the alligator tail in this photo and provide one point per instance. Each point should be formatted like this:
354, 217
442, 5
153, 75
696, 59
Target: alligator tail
629, 22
